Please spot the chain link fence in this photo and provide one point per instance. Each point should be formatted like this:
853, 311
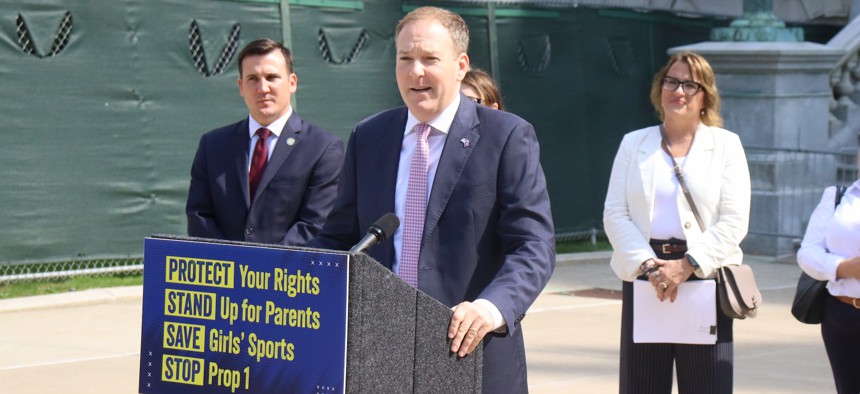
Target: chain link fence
570, 236
791, 180
56, 270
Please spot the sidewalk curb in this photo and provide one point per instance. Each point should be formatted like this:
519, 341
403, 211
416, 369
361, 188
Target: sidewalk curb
126, 293
568, 259
70, 299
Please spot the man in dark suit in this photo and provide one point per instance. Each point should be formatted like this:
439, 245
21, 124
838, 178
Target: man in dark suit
479, 237
271, 178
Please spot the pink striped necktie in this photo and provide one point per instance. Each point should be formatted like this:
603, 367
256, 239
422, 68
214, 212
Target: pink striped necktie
259, 160
416, 207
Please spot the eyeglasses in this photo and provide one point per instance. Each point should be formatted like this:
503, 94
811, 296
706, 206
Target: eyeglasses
690, 88
475, 99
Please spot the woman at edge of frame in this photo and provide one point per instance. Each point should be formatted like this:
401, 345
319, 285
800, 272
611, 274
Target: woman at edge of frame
830, 251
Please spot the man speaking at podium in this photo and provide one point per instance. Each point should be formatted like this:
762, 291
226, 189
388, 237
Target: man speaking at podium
467, 184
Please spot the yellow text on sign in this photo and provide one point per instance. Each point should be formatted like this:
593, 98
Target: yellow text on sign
185, 370
192, 304
183, 336
201, 272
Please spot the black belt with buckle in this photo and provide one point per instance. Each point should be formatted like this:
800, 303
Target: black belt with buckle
668, 248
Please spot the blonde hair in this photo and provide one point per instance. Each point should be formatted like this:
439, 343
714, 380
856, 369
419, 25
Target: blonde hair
455, 24
701, 70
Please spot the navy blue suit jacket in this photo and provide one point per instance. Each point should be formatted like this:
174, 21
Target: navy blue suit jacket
488, 231
294, 196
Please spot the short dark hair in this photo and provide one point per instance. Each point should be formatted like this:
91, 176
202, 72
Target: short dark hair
262, 47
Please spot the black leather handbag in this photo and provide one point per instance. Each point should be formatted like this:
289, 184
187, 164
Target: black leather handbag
809, 297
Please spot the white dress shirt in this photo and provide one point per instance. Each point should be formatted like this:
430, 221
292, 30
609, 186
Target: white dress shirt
436, 140
667, 220
831, 237
275, 127
438, 134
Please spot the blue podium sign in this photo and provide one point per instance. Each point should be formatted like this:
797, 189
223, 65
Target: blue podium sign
231, 318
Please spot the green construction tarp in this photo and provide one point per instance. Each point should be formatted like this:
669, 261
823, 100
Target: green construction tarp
97, 140
104, 102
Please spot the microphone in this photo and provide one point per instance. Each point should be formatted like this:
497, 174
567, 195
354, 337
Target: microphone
378, 232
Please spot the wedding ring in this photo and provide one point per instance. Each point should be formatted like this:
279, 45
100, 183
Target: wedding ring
663, 285
656, 274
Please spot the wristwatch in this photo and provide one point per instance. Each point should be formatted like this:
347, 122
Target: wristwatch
692, 262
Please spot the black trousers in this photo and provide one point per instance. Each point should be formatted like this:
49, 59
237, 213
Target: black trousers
840, 328
646, 368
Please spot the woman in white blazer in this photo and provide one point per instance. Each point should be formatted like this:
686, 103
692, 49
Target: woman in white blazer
655, 235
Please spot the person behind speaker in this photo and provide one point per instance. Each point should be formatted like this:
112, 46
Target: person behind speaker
480, 87
830, 251
247, 186
488, 239
655, 235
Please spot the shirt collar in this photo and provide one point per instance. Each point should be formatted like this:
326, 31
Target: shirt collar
442, 122
275, 127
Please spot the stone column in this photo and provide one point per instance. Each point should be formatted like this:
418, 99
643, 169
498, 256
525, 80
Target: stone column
776, 96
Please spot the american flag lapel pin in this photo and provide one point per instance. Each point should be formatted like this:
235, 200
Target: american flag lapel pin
465, 142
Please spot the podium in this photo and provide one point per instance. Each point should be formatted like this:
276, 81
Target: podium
395, 336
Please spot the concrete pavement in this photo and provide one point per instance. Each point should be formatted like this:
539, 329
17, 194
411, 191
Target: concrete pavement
89, 341
572, 342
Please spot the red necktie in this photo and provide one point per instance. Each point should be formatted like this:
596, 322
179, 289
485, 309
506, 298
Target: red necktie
416, 207
258, 162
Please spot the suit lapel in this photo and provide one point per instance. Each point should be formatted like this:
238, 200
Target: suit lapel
696, 167
290, 138
455, 156
241, 141
386, 150
382, 149
649, 151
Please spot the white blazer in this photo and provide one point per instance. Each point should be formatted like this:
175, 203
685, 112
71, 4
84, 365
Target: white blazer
717, 176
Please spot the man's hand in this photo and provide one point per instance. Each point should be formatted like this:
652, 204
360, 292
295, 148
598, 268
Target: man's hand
468, 326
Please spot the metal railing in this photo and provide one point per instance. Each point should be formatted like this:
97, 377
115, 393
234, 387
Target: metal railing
789, 183
54, 270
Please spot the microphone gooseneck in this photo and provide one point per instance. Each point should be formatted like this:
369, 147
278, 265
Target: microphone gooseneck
379, 231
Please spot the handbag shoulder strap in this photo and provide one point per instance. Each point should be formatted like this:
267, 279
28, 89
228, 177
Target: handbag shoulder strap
678, 174
840, 191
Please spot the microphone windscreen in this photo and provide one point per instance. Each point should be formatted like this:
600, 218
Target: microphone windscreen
387, 224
